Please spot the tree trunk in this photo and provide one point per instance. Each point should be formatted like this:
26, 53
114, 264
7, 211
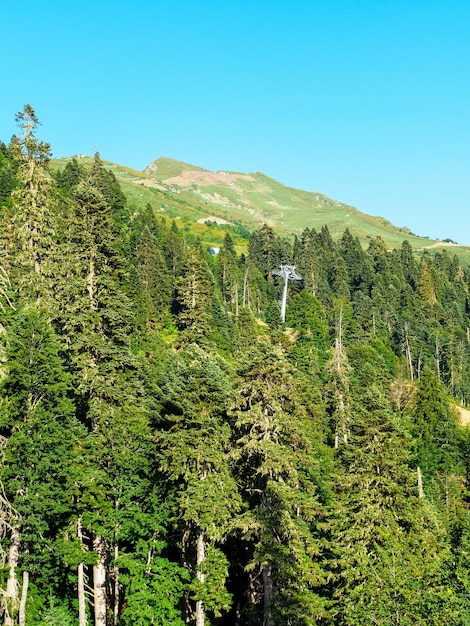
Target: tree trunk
99, 581
116, 585
408, 352
200, 556
245, 288
24, 596
11, 594
420, 484
82, 616
268, 589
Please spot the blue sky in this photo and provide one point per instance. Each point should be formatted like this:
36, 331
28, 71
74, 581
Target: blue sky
367, 101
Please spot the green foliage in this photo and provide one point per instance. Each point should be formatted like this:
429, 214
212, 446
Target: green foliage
312, 344
56, 615
29, 233
71, 175
158, 419
7, 174
390, 544
434, 428
215, 597
193, 292
276, 460
41, 459
153, 589
193, 448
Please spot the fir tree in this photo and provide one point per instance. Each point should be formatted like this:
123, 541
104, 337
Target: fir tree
194, 444
279, 469
29, 234
193, 294
389, 545
94, 324
43, 440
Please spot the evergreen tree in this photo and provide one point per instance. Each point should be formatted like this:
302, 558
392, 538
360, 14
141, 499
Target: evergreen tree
193, 293
265, 250
194, 443
312, 344
151, 287
71, 175
435, 432
43, 440
389, 545
278, 465
94, 320
29, 233
229, 275
7, 174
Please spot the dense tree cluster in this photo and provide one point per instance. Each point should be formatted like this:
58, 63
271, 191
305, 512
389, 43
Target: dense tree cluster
171, 454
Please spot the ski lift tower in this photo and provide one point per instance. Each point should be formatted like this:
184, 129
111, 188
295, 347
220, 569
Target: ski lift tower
288, 273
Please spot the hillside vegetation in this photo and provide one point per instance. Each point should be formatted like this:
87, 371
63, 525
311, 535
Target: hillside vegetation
245, 201
173, 454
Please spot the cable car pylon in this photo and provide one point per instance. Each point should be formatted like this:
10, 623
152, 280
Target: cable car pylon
288, 273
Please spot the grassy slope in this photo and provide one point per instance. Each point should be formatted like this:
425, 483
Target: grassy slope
188, 193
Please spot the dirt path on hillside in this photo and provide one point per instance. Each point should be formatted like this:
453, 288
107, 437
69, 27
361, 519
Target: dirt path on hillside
464, 415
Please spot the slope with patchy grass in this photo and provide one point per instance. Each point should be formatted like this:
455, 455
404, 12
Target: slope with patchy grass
210, 203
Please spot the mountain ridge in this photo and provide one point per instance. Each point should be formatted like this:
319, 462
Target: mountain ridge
244, 201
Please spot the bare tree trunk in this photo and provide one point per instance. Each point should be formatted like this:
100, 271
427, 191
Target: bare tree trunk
438, 358
116, 585
11, 594
82, 616
420, 484
418, 370
408, 352
200, 557
268, 588
24, 596
245, 287
236, 301
99, 581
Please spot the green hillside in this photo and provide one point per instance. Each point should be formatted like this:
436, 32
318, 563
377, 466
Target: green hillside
210, 203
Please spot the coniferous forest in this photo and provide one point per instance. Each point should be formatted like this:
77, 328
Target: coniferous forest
172, 454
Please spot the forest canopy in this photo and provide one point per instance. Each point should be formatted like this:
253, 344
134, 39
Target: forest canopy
172, 453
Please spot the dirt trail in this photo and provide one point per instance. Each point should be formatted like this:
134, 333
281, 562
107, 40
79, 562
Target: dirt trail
464, 415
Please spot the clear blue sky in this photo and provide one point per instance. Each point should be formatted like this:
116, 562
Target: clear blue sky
367, 101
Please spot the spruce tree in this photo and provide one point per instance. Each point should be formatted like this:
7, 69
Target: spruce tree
194, 444
278, 459
29, 232
94, 321
389, 545
41, 455
194, 291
